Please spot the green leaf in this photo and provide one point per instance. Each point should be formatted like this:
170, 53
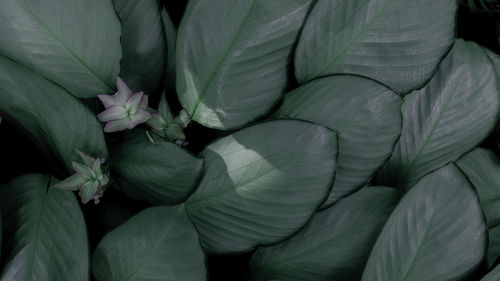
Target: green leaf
450, 116
261, 184
164, 109
397, 42
171, 36
143, 43
494, 275
482, 167
50, 113
366, 115
233, 58
437, 232
73, 43
162, 173
44, 235
159, 243
334, 245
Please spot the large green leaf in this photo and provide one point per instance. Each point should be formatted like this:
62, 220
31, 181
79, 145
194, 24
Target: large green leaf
366, 115
74, 43
233, 57
44, 233
50, 113
450, 116
171, 36
397, 42
159, 243
162, 173
261, 184
143, 43
437, 232
482, 167
334, 245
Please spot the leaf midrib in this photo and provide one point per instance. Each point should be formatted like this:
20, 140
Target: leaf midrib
150, 253
405, 170
354, 39
37, 228
52, 34
221, 62
420, 244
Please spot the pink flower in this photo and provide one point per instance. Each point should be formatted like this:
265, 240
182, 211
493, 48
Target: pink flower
124, 109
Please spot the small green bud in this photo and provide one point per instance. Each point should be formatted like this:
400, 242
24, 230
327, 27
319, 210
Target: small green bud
90, 179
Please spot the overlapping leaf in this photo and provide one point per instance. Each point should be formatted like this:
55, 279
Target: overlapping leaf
494, 275
171, 36
366, 115
482, 167
161, 172
262, 184
44, 234
74, 43
159, 243
143, 43
437, 232
396, 42
50, 113
450, 116
233, 57
334, 245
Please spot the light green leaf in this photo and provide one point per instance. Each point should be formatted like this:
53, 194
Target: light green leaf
482, 167
261, 184
397, 42
44, 235
143, 43
233, 58
162, 173
436, 233
171, 35
334, 245
450, 116
73, 43
159, 243
366, 115
50, 113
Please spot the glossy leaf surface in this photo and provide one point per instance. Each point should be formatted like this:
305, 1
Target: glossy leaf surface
450, 116
262, 184
44, 235
366, 115
73, 43
51, 114
399, 43
334, 245
436, 233
159, 243
160, 172
233, 58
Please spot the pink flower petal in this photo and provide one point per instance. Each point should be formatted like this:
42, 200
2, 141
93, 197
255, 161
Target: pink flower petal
142, 116
107, 100
116, 125
134, 101
112, 113
144, 102
124, 92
